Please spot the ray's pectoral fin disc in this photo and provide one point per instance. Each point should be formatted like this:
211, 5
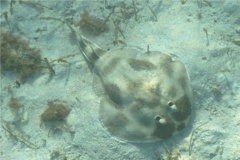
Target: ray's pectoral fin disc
151, 99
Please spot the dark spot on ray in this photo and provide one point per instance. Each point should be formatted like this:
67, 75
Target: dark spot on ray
183, 81
114, 93
184, 108
116, 122
167, 69
164, 131
113, 104
180, 126
141, 65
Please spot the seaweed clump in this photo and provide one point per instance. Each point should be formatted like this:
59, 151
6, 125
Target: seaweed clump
56, 111
17, 55
16, 108
14, 104
55, 115
92, 24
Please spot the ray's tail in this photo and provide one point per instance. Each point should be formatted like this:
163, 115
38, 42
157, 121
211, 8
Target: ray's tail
90, 51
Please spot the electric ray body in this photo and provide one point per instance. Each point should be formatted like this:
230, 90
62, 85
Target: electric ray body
147, 96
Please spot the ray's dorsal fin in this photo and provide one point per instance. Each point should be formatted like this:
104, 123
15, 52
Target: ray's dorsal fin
90, 51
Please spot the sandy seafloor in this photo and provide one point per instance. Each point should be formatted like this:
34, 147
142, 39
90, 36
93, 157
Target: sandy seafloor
214, 69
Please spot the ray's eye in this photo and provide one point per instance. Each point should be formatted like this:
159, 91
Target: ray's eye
161, 120
170, 104
157, 118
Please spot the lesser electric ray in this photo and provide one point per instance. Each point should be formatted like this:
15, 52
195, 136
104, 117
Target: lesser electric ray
147, 96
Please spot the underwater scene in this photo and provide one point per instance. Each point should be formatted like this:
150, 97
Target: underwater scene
120, 79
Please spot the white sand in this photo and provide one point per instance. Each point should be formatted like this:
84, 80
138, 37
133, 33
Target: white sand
214, 70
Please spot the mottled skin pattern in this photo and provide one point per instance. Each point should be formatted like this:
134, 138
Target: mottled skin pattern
147, 96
